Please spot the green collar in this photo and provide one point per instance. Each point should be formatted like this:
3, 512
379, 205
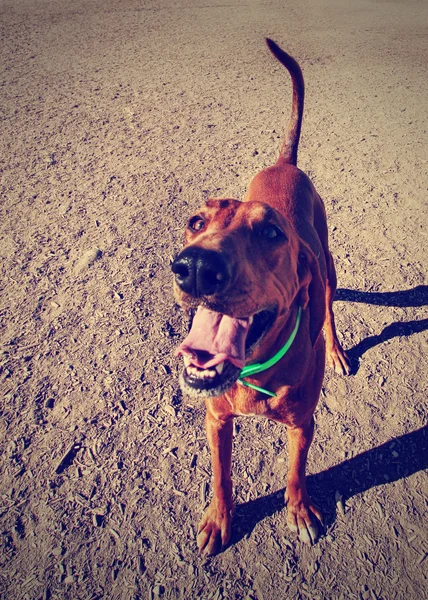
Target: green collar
259, 367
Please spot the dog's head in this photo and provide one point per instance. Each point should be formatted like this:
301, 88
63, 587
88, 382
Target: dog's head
242, 268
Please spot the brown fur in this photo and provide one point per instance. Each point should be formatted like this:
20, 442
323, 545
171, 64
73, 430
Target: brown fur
286, 275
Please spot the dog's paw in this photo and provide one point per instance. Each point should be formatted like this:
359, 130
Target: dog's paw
303, 518
214, 529
338, 360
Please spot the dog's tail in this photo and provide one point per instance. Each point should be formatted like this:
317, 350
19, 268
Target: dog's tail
292, 135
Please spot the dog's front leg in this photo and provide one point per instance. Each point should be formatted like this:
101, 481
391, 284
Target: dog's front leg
214, 529
301, 511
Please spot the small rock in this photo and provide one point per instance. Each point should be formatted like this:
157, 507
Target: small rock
88, 258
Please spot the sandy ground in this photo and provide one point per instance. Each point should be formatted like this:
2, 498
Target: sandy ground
118, 117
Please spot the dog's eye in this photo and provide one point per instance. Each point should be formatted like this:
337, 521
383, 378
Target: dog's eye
271, 232
196, 223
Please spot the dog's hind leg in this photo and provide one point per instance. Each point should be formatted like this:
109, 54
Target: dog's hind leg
336, 356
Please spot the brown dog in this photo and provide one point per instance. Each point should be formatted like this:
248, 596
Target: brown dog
260, 280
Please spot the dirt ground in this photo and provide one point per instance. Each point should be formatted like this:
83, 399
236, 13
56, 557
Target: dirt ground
118, 118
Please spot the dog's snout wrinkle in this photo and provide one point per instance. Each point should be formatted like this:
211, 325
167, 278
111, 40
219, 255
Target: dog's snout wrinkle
200, 272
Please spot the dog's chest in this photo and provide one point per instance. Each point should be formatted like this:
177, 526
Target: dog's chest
248, 403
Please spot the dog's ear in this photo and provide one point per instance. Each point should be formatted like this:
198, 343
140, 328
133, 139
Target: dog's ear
312, 290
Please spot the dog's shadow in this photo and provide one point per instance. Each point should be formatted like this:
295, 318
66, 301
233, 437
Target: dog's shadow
389, 462
418, 296
392, 461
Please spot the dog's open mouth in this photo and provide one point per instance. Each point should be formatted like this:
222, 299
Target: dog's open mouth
217, 346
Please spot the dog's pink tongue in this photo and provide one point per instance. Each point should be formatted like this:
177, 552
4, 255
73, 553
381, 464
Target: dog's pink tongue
215, 338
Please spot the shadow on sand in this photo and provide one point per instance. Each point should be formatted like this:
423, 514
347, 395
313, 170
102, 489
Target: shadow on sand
418, 296
389, 462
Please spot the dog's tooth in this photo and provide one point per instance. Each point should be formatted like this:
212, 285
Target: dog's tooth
250, 320
186, 360
219, 368
201, 373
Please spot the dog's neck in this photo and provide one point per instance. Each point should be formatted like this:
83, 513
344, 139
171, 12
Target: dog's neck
259, 367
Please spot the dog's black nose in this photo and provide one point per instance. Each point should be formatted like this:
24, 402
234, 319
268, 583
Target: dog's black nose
200, 272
